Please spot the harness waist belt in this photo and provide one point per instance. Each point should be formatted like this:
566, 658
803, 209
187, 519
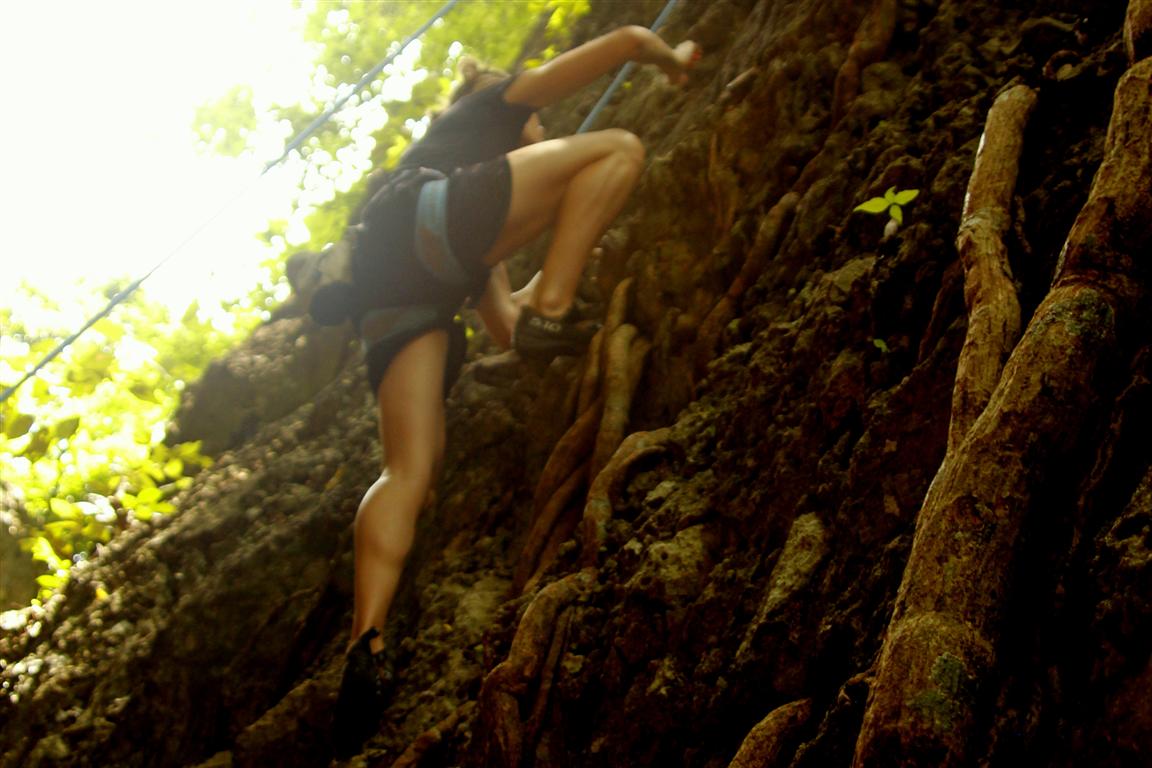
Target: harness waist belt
388, 323
432, 248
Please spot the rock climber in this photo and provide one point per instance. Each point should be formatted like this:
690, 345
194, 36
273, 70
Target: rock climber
482, 182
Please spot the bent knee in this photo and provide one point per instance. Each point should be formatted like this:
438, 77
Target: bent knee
626, 145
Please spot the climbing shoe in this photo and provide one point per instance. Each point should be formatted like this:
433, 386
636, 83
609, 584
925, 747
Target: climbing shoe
543, 338
365, 692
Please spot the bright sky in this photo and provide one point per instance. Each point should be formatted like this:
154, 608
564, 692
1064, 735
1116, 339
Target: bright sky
100, 175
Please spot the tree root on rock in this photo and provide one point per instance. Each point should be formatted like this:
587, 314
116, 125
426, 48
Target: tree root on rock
723, 187
934, 676
594, 360
624, 362
769, 235
590, 377
571, 450
540, 537
618, 307
598, 509
607, 386
532, 661
871, 42
562, 531
419, 747
548, 674
771, 738
709, 332
1138, 30
993, 308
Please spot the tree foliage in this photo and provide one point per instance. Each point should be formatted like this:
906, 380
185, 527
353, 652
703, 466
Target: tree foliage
81, 443
377, 124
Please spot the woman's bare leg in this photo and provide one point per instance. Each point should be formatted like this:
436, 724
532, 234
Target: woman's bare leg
411, 406
576, 185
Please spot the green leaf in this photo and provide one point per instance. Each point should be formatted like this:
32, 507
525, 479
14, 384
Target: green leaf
97, 531
905, 197
174, 468
145, 391
896, 213
19, 425
50, 581
66, 428
63, 529
42, 550
890, 194
37, 446
64, 509
149, 495
875, 205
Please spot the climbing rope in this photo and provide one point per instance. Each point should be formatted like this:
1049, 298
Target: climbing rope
300, 138
368, 77
294, 144
623, 75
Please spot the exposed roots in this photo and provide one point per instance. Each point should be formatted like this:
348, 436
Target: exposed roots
419, 747
618, 307
993, 308
594, 363
941, 645
709, 333
543, 527
590, 378
723, 188
1138, 30
530, 665
607, 484
871, 42
613, 369
618, 390
571, 450
562, 531
548, 674
769, 739
768, 236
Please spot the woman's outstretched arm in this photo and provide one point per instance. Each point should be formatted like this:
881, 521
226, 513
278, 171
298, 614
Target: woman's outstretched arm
574, 69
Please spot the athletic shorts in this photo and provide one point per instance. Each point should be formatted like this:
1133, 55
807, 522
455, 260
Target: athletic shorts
379, 356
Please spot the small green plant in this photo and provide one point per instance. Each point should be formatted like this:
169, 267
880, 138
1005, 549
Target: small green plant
892, 203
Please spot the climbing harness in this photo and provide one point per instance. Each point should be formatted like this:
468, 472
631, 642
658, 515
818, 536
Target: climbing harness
292, 145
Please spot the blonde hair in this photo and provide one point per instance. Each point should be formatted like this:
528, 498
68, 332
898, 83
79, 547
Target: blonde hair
474, 77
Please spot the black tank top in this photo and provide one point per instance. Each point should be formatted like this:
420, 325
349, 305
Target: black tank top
479, 127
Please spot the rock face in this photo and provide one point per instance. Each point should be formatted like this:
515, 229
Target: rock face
718, 538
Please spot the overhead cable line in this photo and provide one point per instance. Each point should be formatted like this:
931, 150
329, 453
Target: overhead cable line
295, 143
368, 77
120, 297
625, 71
